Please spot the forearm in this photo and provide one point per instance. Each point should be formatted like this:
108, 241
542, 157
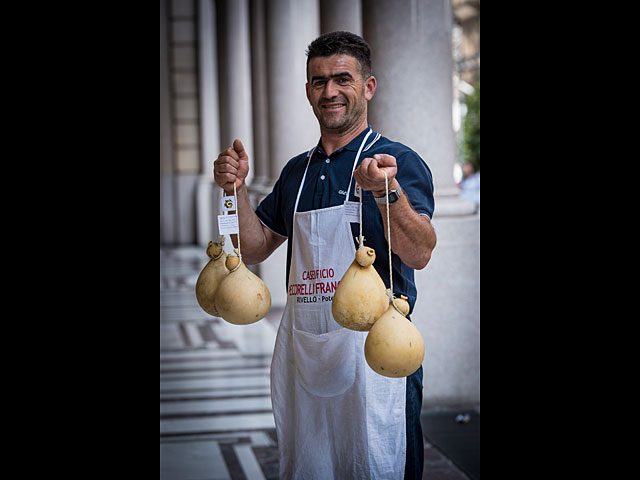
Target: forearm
412, 235
254, 244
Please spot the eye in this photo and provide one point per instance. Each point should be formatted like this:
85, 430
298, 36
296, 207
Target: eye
344, 80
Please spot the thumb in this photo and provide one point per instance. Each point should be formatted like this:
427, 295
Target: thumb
239, 148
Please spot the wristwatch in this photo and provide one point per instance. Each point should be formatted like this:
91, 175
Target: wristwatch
394, 195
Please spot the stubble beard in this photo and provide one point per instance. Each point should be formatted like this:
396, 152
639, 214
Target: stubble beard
350, 119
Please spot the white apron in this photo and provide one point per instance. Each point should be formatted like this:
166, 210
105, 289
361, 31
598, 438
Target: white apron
335, 417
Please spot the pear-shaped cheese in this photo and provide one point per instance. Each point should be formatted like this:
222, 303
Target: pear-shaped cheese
210, 277
394, 346
242, 297
360, 297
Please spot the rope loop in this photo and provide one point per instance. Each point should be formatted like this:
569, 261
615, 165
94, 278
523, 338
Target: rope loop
237, 252
386, 189
235, 194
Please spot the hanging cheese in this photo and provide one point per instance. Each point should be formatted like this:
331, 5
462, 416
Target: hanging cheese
394, 346
360, 297
242, 297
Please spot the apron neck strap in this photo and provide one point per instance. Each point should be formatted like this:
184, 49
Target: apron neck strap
353, 168
309, 155
355, 161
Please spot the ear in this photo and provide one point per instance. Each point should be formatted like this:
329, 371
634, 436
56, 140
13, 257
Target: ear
306, 87
370, 87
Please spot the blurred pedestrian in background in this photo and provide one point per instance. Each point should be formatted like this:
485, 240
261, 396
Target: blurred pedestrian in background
470, 184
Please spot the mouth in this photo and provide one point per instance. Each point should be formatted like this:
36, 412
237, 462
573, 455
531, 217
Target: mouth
333, 106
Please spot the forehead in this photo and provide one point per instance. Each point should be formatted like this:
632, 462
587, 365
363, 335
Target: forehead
341, 62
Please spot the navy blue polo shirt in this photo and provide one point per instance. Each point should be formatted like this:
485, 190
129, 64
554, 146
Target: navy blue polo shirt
325, 186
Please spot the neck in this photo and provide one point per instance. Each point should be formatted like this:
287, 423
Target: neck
332, 141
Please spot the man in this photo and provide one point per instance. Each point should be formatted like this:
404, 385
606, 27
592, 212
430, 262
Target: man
335, 417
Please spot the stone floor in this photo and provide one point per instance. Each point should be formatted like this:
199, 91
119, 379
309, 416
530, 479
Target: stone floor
215, 407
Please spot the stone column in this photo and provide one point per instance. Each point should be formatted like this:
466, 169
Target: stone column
262, 179
291, 26
207, 193
412, 61
167, 220
292, 126
235, 76
411, 50
341, 15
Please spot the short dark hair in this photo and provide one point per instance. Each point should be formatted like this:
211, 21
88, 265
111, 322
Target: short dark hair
334, 43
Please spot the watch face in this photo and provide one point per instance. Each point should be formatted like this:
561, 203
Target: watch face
394, 195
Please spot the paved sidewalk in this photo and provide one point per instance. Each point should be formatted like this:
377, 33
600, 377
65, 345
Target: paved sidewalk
216, 420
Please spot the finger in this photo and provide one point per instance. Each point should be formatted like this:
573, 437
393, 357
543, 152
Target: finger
373, 171
239, 149
223, 169
386, 163
230, 152
385, 160
226, 168
364, 165
227, 160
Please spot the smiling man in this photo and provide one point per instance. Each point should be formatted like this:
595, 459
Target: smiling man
338, 93
335, 417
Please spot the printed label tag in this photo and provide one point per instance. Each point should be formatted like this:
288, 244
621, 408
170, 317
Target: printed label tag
227, 224
352, 212
228, 203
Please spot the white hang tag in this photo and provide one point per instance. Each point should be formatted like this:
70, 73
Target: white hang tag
228, 203
227, 224
352, 212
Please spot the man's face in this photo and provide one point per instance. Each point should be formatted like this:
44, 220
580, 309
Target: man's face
338, 93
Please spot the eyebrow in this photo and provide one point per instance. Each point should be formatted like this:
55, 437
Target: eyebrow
335, 75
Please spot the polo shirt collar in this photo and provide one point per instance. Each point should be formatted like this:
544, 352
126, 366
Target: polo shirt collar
352, 146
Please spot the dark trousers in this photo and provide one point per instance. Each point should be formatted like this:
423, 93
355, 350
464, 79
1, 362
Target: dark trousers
415, 441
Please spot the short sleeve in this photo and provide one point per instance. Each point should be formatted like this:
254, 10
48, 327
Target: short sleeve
414, 176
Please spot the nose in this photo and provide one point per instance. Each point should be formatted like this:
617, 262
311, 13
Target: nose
330, 89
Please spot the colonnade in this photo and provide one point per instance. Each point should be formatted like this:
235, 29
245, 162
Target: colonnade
251, 78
